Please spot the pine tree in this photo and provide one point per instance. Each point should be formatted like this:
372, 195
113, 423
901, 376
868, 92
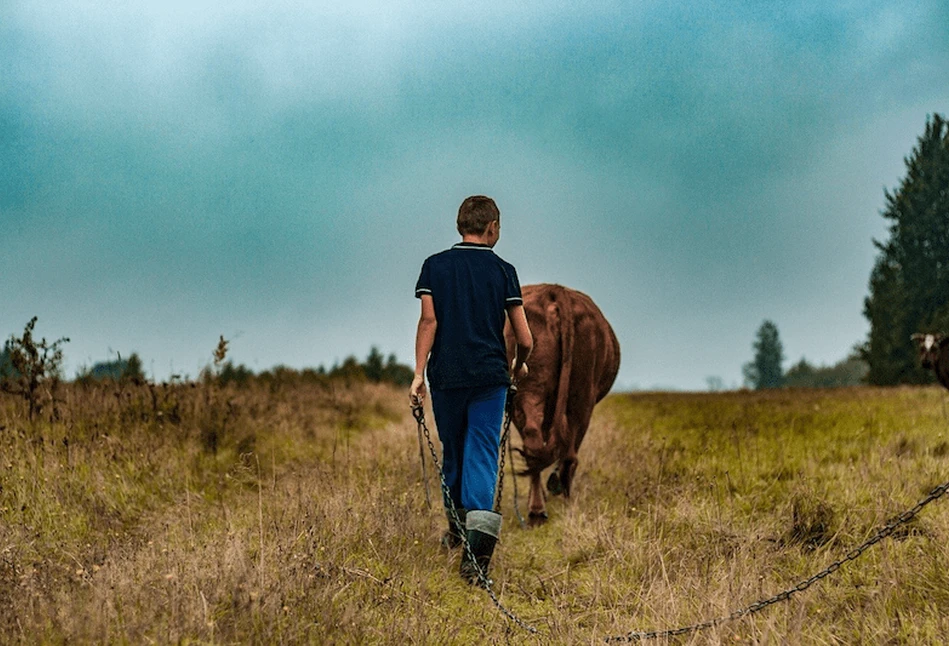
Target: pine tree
909, 284
765, 370
373, 367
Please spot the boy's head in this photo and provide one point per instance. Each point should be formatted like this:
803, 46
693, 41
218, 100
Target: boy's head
476, 213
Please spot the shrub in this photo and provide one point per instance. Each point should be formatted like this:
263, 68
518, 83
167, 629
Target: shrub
34, 368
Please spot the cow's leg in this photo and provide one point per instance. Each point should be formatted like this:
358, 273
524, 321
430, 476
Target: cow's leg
554, 486
537, 509
566, 470
536, 455
579, 420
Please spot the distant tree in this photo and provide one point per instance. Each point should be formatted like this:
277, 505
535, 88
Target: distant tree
851, 371
397, 373
230, 373
133, 368
117, 370
715, 383
374, 367
909, 284
350, 370
800, 375
765, 371
6, 364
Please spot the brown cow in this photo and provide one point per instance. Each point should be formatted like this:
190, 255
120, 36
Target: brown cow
573, 366
934, 355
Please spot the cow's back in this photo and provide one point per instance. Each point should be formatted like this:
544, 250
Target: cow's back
574, 364
596, 349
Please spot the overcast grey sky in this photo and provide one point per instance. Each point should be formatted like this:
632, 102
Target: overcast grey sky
277, 172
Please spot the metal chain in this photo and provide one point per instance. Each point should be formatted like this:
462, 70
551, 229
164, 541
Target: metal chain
504, 444
421, 455
517, 507
486, 583
757, 606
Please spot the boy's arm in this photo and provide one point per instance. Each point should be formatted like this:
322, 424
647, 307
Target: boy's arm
424, 339
522, 337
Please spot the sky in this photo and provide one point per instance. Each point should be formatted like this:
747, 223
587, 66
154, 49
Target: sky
277, 172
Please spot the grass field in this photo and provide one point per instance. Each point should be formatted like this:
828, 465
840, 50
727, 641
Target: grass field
295, 513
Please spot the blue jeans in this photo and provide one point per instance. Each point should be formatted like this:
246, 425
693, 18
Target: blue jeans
469, 427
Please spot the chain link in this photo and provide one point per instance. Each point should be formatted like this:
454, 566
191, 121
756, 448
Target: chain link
421, 455
504, 447
486, 583
517, 507
757, 606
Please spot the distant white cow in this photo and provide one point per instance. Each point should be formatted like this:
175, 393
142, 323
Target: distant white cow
934, 354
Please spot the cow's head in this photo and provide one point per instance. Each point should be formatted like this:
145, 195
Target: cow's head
528, 416
928, 345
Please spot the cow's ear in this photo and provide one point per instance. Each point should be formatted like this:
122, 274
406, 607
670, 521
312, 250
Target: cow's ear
916, 337
942, 340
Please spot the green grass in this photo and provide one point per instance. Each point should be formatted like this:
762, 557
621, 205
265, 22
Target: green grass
308, 523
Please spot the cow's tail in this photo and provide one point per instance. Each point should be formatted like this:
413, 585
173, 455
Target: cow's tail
567, 326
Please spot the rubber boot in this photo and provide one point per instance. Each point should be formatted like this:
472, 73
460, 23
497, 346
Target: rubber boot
452, 536
483, 530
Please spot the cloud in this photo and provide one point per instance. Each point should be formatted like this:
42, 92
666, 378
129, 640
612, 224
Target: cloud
287, 166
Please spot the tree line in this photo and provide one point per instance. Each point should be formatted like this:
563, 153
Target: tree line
908, 286
31, 369
766, 370
375, 369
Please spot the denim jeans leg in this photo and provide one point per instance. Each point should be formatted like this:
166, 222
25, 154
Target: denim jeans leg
480, 471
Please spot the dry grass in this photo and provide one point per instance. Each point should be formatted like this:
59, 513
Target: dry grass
304, 521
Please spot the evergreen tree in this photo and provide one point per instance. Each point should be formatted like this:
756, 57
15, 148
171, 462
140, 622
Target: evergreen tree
909, 284
6, 363
230, 373
765, 370
397, 373
374, 367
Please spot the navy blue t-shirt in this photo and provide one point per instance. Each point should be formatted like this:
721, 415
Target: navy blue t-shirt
471, 287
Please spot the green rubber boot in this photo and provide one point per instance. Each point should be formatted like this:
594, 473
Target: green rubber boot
483, 530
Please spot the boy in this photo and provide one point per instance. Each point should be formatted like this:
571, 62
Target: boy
466, 291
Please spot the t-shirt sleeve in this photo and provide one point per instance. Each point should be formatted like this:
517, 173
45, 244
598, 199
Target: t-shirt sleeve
424, 284
512, 288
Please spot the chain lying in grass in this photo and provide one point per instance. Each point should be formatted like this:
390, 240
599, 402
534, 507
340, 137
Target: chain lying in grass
757, 606
483, 580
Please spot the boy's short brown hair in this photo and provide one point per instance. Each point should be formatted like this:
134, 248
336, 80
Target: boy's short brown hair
475, 213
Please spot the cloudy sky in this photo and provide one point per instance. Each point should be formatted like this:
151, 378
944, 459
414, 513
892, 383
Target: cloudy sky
277, 172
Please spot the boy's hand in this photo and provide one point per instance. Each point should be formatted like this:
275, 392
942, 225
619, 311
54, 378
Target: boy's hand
518, 373
417, 391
